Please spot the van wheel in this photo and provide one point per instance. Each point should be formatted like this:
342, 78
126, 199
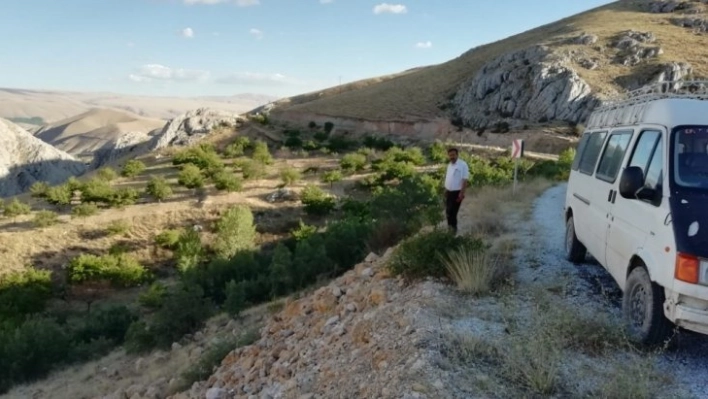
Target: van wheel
642, 307
575, 251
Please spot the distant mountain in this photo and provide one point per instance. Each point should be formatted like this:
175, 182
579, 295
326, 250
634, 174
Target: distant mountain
83, 134
40, 107
25, 159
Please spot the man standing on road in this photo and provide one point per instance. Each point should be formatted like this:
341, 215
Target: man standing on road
456, 180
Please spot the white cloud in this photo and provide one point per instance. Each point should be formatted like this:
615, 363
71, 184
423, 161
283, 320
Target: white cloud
257, 33
427, 44
240, 3
152, 72
257, 78
188, 33
390, 8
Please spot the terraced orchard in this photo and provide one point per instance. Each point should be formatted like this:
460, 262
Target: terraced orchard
139, 257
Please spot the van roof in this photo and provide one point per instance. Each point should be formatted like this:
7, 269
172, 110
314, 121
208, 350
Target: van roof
666, 103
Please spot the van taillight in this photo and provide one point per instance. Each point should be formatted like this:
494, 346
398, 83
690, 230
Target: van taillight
687, 268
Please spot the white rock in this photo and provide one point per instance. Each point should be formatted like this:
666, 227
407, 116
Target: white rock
216, 393
176, 346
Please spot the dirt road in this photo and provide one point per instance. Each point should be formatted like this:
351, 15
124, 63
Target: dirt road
591, 285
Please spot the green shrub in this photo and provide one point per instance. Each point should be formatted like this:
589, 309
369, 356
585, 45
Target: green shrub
158, 188
203, 156
293, 142
234, 232
422, 255
438, 152
24, 292
345, 242
412, 155
183, 311
321, 137
341, 144
227, 181
107, 174
328, 127
310, 261
332, 176
312, 125
390, 170
238, 147
39, 189
84, 210
235, 298
96, 190
280, 270
260, 118
123, 197
415, 200
45, 219
378, 143
120, 270
133, 168
118, 227
303, 231
253, 170
189, 252
110, 323
59, 195
310, 145
168, 239
74, 184
154, 296
290, 175
191, 176
316, 201
353, 162
31, 350
261, 153
16, 208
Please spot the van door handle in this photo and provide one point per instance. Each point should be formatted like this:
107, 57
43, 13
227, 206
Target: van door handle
614, 196
609, 197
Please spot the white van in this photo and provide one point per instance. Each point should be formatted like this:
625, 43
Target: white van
637, 201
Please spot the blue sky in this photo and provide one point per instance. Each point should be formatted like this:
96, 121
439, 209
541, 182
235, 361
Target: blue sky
224, 47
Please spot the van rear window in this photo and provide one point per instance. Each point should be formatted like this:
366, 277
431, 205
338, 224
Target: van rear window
591, 152
579, 151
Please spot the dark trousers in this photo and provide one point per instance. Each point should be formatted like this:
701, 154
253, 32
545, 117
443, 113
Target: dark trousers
452, 207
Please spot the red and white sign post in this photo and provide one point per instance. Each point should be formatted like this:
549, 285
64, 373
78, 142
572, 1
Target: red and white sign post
517, 151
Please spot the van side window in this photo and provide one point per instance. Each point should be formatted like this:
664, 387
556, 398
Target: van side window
612, 157
591, 152
648, 155
579, 151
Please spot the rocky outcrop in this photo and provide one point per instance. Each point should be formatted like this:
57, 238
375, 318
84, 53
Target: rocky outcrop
359, 337
698, 25
25, 159
130, 144
671, 6
526, 85
633, 47
193, 126
669, 72
584, 39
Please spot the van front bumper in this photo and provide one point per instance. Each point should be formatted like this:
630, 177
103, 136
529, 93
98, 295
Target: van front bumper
687, 312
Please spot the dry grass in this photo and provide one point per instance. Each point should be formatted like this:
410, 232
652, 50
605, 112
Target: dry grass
475, 272
416, 95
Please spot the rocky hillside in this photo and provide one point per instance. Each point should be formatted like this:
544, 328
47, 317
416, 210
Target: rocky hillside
556, 72
25, 159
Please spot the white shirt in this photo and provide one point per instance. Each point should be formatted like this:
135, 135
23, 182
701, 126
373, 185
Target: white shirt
455, 174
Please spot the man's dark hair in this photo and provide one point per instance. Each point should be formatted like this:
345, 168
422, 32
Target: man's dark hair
449, 150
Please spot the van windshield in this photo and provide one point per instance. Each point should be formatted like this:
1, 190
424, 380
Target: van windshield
691, 156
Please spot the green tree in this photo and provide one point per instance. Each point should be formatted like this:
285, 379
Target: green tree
238, 147
261, 153
316, 201
39, 189
234, 232
59, 195
191, 176
16, 208
353, 162
332, 176
227, 181
133, 168
107, 174
235, 298
158, 188
290, 175
281, 265
252, 170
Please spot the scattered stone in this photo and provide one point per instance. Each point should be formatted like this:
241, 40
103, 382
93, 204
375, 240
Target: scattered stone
139, 365
336, 291
216, 393
698, 25
585, 39
176, 346
368, 272
282, 194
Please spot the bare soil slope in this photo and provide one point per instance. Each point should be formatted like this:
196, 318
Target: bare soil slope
85, 133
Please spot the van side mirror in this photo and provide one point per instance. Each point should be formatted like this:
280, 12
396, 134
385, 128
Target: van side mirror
631, 182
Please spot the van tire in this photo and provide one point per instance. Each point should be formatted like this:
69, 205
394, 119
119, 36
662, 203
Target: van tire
575, 251
642, 308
